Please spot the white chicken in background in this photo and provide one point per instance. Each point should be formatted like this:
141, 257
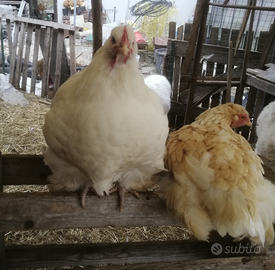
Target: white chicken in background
162, 87
105, 126
265, 129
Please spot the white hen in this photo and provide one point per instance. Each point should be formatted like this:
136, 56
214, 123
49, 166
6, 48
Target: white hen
162, 87
265, 145
105, 125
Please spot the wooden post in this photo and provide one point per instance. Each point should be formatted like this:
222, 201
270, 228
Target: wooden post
58, 65
229, 72
243, 26
27, 56
253, 93
239, 92
202, 16
2, 234
35, 57
46, 61
193, 37
97, 24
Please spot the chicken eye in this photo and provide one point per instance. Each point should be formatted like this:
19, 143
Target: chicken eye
133, 43
113, 40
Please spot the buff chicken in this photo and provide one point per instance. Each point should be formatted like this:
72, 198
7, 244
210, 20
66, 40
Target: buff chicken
216, 180
106, 129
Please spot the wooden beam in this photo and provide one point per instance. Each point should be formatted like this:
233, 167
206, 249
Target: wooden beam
45, 210
2, 234
260, 84
97, 24
193, 38
188, 252
27, 56
19, 56
244, 263
39, 22
24, 170
46, 61
35, 58
243, 7
105, 253
203, 17
220, 54
239, 92
229, 73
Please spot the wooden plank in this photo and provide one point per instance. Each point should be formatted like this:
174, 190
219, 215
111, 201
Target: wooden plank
213, 39
24, 170
240, 89
19, 56
262, 40
218, 54
46, 61
13, 54
243, 26
234, 36
35, 58
39, 22
59, 51
191, 44
2, 234
245, 263
203, 12
8, 22
72, 52
175, 81
229, 73
179, 109
65, 68
97, 24
27, 56
105, 253
41, 211
260, 84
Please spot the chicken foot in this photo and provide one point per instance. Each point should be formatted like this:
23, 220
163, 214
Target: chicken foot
121, 194
86, 189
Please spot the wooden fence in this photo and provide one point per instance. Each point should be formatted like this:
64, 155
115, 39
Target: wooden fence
49, 36
44, 211
211, 89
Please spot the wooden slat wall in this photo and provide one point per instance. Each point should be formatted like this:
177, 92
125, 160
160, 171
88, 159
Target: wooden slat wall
218, 48
44, 211
21, 37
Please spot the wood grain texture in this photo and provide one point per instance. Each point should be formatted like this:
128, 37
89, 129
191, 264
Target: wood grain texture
39, 211
255, 263
220, 54
24, 170
105, 253
157, 254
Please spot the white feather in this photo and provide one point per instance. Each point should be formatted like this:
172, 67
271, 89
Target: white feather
105, 124
162, 87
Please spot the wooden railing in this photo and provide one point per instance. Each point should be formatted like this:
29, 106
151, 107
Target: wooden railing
49, 36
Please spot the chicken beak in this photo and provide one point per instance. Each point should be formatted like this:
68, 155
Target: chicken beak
124, 50
249, 123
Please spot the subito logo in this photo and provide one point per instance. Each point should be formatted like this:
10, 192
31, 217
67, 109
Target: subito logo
216, 249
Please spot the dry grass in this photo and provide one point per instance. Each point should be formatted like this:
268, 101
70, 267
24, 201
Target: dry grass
21, 134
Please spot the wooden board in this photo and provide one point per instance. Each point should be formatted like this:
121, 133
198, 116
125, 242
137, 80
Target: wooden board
41, 211
105, 253
267, 75
218, 54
